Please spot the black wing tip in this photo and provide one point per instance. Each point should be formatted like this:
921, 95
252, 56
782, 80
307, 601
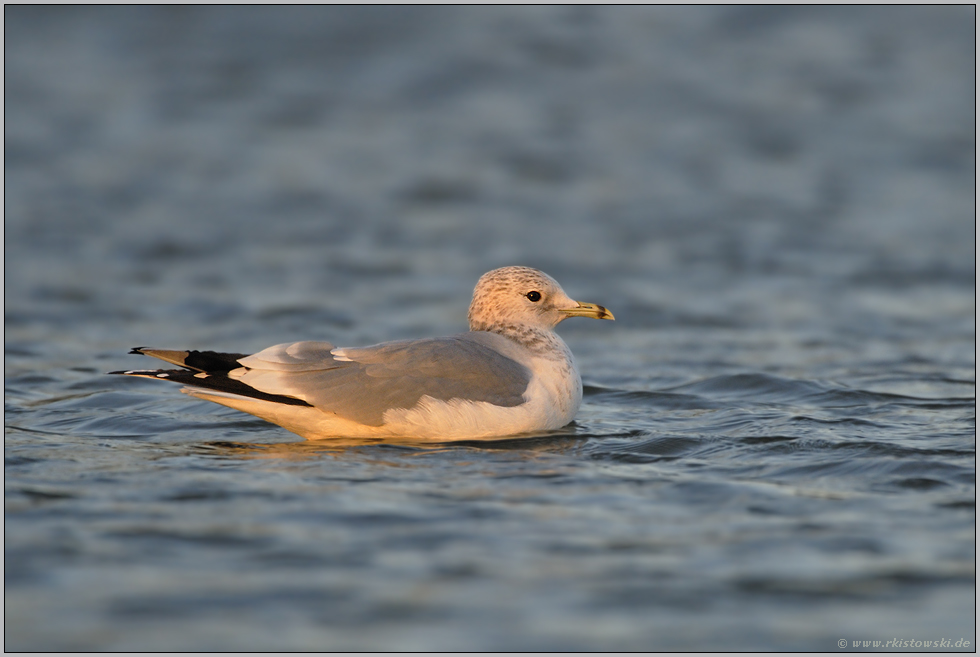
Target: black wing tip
215, 382
136, 350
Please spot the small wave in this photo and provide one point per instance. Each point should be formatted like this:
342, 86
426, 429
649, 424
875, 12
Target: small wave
711, 393
654, 399
757, 387
649, 450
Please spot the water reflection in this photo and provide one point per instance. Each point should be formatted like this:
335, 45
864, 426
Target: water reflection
558, 441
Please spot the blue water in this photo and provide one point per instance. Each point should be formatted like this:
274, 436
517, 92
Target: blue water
776, 449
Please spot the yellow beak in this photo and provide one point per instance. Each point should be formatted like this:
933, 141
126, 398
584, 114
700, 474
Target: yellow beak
587, 310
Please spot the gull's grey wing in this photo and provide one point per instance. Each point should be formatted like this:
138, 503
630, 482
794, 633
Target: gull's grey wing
360, 384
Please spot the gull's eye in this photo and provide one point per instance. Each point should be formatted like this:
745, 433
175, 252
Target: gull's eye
533, 295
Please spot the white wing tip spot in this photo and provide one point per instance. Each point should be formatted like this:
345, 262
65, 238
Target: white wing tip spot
162, 375
340, 356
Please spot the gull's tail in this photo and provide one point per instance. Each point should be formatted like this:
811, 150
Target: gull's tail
207, 370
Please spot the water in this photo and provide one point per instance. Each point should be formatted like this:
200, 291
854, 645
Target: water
776, 449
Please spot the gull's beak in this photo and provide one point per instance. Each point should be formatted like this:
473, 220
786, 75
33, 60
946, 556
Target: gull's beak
587, 310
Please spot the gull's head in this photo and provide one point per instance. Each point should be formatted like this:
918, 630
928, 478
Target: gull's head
522, 296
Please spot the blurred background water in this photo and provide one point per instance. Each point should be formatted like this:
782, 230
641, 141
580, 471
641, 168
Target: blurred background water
777, 444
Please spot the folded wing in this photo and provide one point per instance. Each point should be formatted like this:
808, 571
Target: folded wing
360, 384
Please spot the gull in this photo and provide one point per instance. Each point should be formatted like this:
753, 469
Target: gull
509, 374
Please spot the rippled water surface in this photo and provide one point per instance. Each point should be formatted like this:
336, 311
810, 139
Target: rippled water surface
776, 448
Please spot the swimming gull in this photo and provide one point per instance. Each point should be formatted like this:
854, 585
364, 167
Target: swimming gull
509, 374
